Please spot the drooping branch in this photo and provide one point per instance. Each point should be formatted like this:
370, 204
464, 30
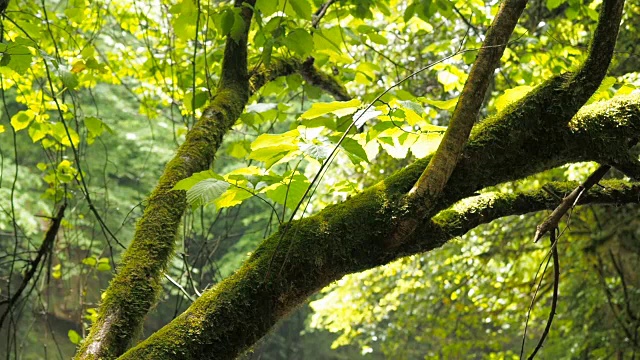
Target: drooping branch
551, 222
134, 289
43, 251
352, 236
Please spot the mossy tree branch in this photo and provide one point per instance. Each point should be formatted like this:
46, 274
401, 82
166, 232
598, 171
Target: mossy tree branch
559, 99
352, 236
465, 114
134, 288
434, 178
311, 74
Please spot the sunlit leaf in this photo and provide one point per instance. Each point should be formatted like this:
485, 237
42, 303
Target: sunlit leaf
188, 183
22, 119
444, 105
338, 108
74, 337
205, 191
291, 190
511, 95
362, 116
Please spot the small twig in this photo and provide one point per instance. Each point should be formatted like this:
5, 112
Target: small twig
554, 299
45, 248
320, 13
552, 221
533, 299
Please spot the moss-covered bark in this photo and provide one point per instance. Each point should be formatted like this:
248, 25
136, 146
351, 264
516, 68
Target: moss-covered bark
553, 103
350, 236
534, 134
134, 289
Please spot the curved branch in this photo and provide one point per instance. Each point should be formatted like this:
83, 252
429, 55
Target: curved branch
306, 69
557, 100
134, 288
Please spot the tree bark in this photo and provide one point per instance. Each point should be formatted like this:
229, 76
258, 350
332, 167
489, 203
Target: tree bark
350, 237
135, 287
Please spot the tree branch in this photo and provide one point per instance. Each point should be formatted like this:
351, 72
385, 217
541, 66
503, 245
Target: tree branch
45, 248
559, 99
311, 74
551, 222
352, 236
134, 288
434, 178
459, 220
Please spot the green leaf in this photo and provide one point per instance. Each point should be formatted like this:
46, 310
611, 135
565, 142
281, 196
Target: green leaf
552, 4
226, 21
448, 79
22, 119
267, 7
91, 261
444, 105
237, 30
95, 127
338, 108
377, 38
272, 154
361, 116
202, 95
511, 95
103, 264
316, 151
353, 148
206, 191
60, 133
74, 337
408, 13
232, 197
238, 149
291, 192
302, 8
425, 144
274, 140
625, 89
17, 58
69, 79
299, 41
188, 183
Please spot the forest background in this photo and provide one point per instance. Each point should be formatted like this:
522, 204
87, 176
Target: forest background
246, 117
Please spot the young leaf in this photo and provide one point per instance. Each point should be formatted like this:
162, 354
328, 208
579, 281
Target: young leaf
338, 108
188, 183
511, 95
290, 192
74, 337
316, 151
206, 191
444, 105
22, 119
